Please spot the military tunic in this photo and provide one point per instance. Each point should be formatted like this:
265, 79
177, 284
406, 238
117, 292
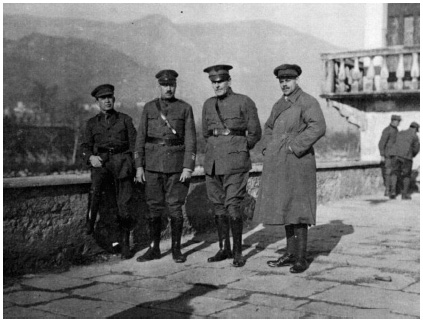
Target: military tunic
163, 163
113, 139
288, 187
227, 157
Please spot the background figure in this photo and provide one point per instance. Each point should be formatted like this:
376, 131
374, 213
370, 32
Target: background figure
406, 147
288, 187
387, 140
107, 146
165, 158
231, 128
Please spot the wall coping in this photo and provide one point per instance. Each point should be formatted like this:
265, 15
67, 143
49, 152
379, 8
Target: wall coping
71, 179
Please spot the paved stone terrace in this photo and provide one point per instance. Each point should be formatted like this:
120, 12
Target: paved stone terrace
364, 256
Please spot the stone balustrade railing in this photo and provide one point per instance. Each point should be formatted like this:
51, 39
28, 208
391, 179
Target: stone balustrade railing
390, 70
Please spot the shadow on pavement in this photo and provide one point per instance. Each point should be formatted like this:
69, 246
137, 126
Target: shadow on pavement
176, 308
375, 202
322, 239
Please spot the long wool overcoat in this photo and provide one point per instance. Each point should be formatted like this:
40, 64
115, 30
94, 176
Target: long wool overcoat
287, 192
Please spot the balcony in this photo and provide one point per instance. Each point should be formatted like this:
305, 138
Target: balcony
390, 73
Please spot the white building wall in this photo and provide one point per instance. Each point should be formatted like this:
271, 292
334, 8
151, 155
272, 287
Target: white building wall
375, 25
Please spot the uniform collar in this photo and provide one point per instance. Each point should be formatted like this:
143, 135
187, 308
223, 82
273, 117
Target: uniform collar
103, 114
294, 95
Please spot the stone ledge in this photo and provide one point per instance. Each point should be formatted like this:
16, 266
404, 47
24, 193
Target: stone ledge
70, 179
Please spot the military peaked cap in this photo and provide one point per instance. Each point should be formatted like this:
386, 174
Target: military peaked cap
287, 71
395, 117
218, 72
167, 76
415, 125
103, 90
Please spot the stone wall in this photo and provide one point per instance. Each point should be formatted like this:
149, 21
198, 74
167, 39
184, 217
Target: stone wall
43, 217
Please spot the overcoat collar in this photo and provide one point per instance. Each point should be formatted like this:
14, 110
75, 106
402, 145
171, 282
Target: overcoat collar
294, 95
114, 115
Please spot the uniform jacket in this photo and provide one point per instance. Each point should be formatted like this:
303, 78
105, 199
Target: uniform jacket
407, 145
387, 140
287, 192
162, 158
116, 133
230, 154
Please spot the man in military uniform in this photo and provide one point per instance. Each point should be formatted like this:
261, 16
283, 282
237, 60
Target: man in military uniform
231, 128
406, 147
108, 144
389, 136
165, 158
287, 193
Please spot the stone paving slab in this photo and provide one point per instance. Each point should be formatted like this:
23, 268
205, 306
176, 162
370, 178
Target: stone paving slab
134, 295
80, 308
115, 278
96, 289
54, 282
32, 297
415, 288
283, 285
160, 284
285, 303
251, 311
6, 304
368, 297
197, 305
350, 312
29, 313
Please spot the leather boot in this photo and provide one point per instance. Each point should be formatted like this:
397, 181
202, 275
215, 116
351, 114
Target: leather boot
176, 225
301, 263
222, 223
153, 252
126, 251
236, 226
289, 257
393, 187
405, 189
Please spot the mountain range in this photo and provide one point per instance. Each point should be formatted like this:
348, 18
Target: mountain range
78, 54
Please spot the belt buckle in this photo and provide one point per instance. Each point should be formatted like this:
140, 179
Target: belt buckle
215, 132
226, 132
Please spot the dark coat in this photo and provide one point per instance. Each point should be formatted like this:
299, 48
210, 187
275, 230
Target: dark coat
162, 158
407, 145
387, 140
118, 133
288, 186
230, 154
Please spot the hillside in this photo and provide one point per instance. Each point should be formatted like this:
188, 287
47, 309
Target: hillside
73, 66
254, 48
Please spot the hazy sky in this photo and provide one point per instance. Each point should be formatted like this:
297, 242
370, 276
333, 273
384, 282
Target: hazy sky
320, 20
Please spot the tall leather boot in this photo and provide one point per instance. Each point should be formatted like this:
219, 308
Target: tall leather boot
236, 226
387, 184
405, 190
393, 186
153, 252
222, 223
301, 263
289, 258
176, 225
126, 251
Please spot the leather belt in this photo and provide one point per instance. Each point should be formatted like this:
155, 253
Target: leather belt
167, 142
112, 150
218, 132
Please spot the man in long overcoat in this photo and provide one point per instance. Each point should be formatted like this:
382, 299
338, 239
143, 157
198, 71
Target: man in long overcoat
387, 140
231, 128
165, 158
288, 187
107, 147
